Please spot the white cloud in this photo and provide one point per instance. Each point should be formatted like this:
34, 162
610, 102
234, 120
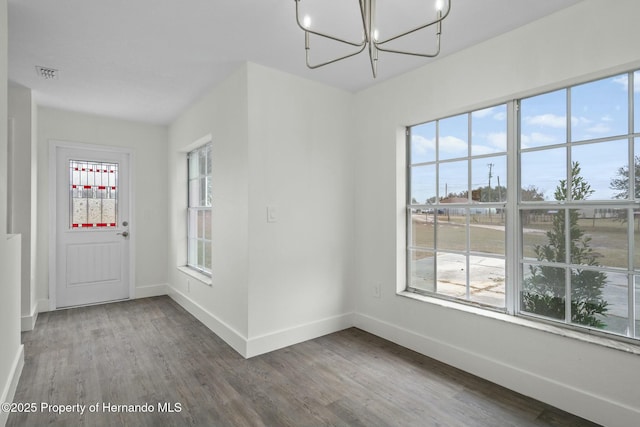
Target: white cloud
536, 139
451, 144
500, 116
599, 128
479, 150
548, 120
624, 82
422, 145
580, 121
483, 113
607, 118
498, 140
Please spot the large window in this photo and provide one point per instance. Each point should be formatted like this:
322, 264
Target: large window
554, 238
199, 209
456, 217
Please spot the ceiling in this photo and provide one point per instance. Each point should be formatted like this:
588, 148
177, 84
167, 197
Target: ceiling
147, 60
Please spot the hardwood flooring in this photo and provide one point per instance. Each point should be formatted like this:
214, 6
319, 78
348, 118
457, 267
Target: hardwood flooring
151, 351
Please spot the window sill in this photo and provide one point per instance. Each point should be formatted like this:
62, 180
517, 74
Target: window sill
202, 278
584, 336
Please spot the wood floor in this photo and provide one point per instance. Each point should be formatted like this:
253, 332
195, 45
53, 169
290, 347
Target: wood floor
153, 352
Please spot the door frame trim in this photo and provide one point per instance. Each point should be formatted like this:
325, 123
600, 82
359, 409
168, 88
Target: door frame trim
54, 145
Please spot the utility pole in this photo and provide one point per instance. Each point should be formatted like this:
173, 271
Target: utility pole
500, 199
490, 165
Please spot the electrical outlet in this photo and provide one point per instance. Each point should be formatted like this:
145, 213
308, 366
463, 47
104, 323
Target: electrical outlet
376, 290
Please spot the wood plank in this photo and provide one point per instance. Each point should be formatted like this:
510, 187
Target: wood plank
151, 351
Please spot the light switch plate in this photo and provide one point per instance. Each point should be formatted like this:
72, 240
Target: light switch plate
272, 214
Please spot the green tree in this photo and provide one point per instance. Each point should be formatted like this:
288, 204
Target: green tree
496, 193
544, 290
621, 183
531, 194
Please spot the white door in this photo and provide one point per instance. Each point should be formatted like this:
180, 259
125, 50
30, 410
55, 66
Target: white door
92, 226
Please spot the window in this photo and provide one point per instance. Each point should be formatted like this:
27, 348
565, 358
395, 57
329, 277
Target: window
570, 208
456, 212
578, 212
199, 209
94, 194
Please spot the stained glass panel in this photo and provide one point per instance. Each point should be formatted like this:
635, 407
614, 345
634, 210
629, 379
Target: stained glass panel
94, 194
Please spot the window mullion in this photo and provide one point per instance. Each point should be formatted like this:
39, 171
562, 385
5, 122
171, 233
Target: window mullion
631, 278
467, 210
408, 212
567, 213
631, 88
512, 221
436, 217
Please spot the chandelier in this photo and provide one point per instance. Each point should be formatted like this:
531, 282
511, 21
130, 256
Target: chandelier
370, 40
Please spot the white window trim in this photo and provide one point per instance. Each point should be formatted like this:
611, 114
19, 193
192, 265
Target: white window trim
195, 268
192, 272
511, 313
182, 171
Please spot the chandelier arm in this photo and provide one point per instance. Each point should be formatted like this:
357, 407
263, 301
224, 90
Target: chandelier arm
422, 27
313, 67
423, 55
327, 36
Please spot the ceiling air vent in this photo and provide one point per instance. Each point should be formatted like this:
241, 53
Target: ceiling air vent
47, 73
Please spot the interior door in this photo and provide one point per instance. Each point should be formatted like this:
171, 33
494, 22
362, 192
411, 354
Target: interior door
92, 226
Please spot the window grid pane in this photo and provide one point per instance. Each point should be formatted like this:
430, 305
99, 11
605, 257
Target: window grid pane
575, 238
200, 198
448, 232
578, 180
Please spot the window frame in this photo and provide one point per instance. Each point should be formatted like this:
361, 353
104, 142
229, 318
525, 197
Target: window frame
467, 206
196, 210
515, 261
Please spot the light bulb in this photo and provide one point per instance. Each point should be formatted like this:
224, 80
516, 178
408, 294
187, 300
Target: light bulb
375, 35
306, 21
439, 5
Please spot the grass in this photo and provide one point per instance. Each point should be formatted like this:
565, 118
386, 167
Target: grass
608, 236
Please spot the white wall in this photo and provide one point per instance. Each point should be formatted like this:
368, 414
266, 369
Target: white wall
11, 351
3, 115
591, 39
221, 113
300, 163
150, 179
274, 283
22, 193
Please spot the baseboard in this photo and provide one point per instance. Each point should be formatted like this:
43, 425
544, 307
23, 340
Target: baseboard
297, 334
229, 335
151, 290
9, 389
27, 323
140, 292
560, 395
43, 305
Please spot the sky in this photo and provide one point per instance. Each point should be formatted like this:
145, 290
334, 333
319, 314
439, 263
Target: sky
598, 109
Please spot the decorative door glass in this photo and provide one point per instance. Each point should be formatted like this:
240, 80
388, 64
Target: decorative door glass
94, 194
